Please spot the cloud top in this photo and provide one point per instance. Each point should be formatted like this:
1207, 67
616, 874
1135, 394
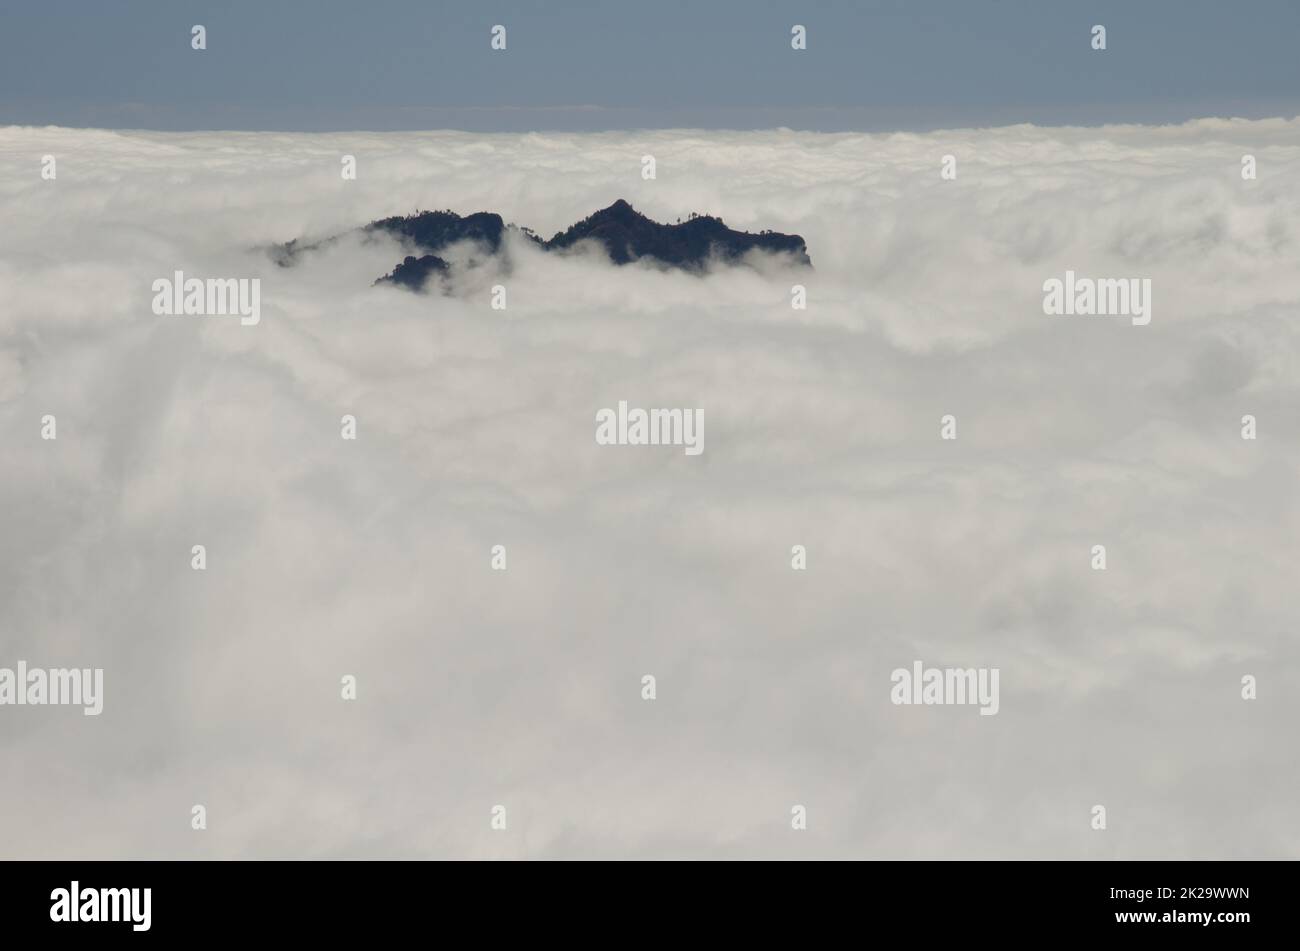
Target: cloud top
475, 428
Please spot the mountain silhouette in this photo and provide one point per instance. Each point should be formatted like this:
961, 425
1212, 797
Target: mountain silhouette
413, 272
629, 236
434, 230
624, 233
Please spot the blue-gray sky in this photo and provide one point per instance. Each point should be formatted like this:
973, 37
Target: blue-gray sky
336, 65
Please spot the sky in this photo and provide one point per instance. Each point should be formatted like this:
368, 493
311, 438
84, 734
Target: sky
338, 65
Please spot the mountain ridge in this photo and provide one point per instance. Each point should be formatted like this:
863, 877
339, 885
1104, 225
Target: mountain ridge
625, 234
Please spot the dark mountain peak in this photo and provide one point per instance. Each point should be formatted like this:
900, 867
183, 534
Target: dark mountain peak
628, 235
426, 231
619, 211
413, 272
625, 234
431, 231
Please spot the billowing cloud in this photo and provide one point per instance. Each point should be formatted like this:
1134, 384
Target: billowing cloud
475, 428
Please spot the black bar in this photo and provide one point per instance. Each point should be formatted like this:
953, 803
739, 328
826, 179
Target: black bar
928, 900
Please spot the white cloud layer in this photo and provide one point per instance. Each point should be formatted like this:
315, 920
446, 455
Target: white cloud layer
476, 428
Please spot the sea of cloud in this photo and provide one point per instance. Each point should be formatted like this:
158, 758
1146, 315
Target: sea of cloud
476, 428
